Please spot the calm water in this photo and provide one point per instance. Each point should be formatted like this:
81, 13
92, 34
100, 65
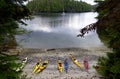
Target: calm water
60, 31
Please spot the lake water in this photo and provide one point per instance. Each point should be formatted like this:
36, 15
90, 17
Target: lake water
60, 31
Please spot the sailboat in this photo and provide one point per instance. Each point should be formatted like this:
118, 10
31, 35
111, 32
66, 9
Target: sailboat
63, 13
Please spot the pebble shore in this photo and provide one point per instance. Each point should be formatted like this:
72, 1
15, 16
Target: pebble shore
51, 72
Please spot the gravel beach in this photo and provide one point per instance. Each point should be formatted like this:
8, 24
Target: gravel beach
51, 72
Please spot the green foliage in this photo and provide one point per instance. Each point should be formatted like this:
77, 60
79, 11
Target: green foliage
55, 6
109, 66
7, 65
109, 32
12, 12
109, 22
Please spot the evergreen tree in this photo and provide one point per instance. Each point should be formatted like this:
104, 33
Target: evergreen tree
12, 12
109, 31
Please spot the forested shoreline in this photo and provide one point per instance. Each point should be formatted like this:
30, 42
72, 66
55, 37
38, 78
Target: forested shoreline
13, 12
58, 6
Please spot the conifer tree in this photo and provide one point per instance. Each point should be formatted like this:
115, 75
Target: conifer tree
109, 31
12, 12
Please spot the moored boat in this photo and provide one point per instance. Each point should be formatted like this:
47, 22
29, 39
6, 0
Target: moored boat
60, 66
38, 64
76, 62
42, 67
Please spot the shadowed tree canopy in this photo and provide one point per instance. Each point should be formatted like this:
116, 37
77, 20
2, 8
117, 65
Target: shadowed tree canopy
12, 12
108, 28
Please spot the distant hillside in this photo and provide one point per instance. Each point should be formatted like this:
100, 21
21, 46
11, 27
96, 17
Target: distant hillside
58, 6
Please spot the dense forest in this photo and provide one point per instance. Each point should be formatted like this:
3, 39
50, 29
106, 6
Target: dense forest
57, 6
109, 32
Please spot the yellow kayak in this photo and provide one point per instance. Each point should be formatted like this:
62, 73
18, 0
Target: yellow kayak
75, 61
42, 67
60, 66
37, 66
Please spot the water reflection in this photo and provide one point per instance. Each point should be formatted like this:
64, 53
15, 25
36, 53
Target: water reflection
59, 31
